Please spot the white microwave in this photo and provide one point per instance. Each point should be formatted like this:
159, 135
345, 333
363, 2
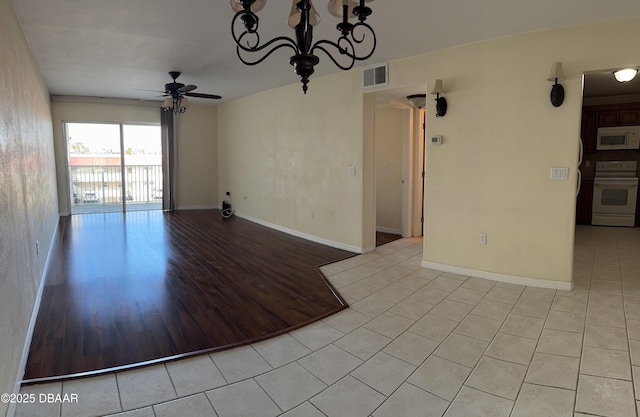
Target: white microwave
619, 137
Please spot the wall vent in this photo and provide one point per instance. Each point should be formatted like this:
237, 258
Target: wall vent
375, 76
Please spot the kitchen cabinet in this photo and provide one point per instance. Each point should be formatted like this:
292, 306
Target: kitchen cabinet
629, 118
589, 130
584, 203
608, 118
607, 115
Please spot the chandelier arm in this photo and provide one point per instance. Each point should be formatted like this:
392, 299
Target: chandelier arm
359, 40
239, 48
286, 41
320, 45
242, 15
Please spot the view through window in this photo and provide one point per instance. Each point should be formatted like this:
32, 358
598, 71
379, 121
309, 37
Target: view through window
114, 167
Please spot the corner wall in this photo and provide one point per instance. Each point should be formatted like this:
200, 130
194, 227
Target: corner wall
284, 157
28, 199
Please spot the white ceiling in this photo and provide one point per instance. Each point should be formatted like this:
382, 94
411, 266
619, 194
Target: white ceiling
115, 48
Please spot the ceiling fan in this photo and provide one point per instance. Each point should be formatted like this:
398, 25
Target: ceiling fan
176, 94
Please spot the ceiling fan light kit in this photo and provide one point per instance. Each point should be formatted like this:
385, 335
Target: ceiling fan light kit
302, 18
176, 95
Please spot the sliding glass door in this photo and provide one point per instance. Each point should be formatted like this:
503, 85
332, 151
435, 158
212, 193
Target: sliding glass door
142, 167
114, 167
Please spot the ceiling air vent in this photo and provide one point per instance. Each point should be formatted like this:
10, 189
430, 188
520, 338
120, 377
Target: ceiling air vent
375, 76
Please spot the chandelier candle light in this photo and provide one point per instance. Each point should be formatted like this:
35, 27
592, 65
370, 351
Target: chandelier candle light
303, 18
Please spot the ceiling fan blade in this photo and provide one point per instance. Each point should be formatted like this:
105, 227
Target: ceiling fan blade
201, 95
155, 91
150, 98
187, 88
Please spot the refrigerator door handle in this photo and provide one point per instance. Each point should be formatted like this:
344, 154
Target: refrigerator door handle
579, 182
580, 151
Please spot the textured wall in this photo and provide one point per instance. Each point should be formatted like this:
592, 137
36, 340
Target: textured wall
290, 157
28, 200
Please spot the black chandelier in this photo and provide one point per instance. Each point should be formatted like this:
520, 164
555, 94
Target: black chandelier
303, 17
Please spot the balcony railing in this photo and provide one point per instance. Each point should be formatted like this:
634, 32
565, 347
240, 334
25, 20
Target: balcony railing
100, 188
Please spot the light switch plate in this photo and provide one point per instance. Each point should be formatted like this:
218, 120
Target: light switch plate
559, 173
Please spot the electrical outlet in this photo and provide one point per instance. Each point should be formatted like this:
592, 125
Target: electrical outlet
311, 214
483, 238
228, 193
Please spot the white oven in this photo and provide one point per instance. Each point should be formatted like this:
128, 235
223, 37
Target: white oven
620, 137
615, 191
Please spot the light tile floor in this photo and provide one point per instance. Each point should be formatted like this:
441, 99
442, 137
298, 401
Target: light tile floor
415, 342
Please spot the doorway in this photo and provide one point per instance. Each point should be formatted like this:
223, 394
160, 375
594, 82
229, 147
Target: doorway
606, 103
407, 168
114, 167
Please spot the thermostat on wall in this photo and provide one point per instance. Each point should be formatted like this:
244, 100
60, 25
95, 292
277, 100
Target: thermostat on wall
436, 140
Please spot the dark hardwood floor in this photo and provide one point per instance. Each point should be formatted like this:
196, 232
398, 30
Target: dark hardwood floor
124, 289
384, 238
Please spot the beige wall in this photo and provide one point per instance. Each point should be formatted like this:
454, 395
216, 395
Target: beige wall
502, 136
389, 136
197, 175
198, 158
28, 206
288, 153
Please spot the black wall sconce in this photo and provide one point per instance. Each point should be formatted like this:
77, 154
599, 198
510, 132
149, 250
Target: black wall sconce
441, 102
557, 91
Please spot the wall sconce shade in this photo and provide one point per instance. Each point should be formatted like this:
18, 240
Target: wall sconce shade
441, 102
625, 75
417, 101
557, 91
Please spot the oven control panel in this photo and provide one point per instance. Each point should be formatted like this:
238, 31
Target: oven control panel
616, 166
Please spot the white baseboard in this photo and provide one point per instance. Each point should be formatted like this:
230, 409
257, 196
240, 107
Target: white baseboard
388, 230
511, 279
296, 233
197, 207
368, 249
32, 322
